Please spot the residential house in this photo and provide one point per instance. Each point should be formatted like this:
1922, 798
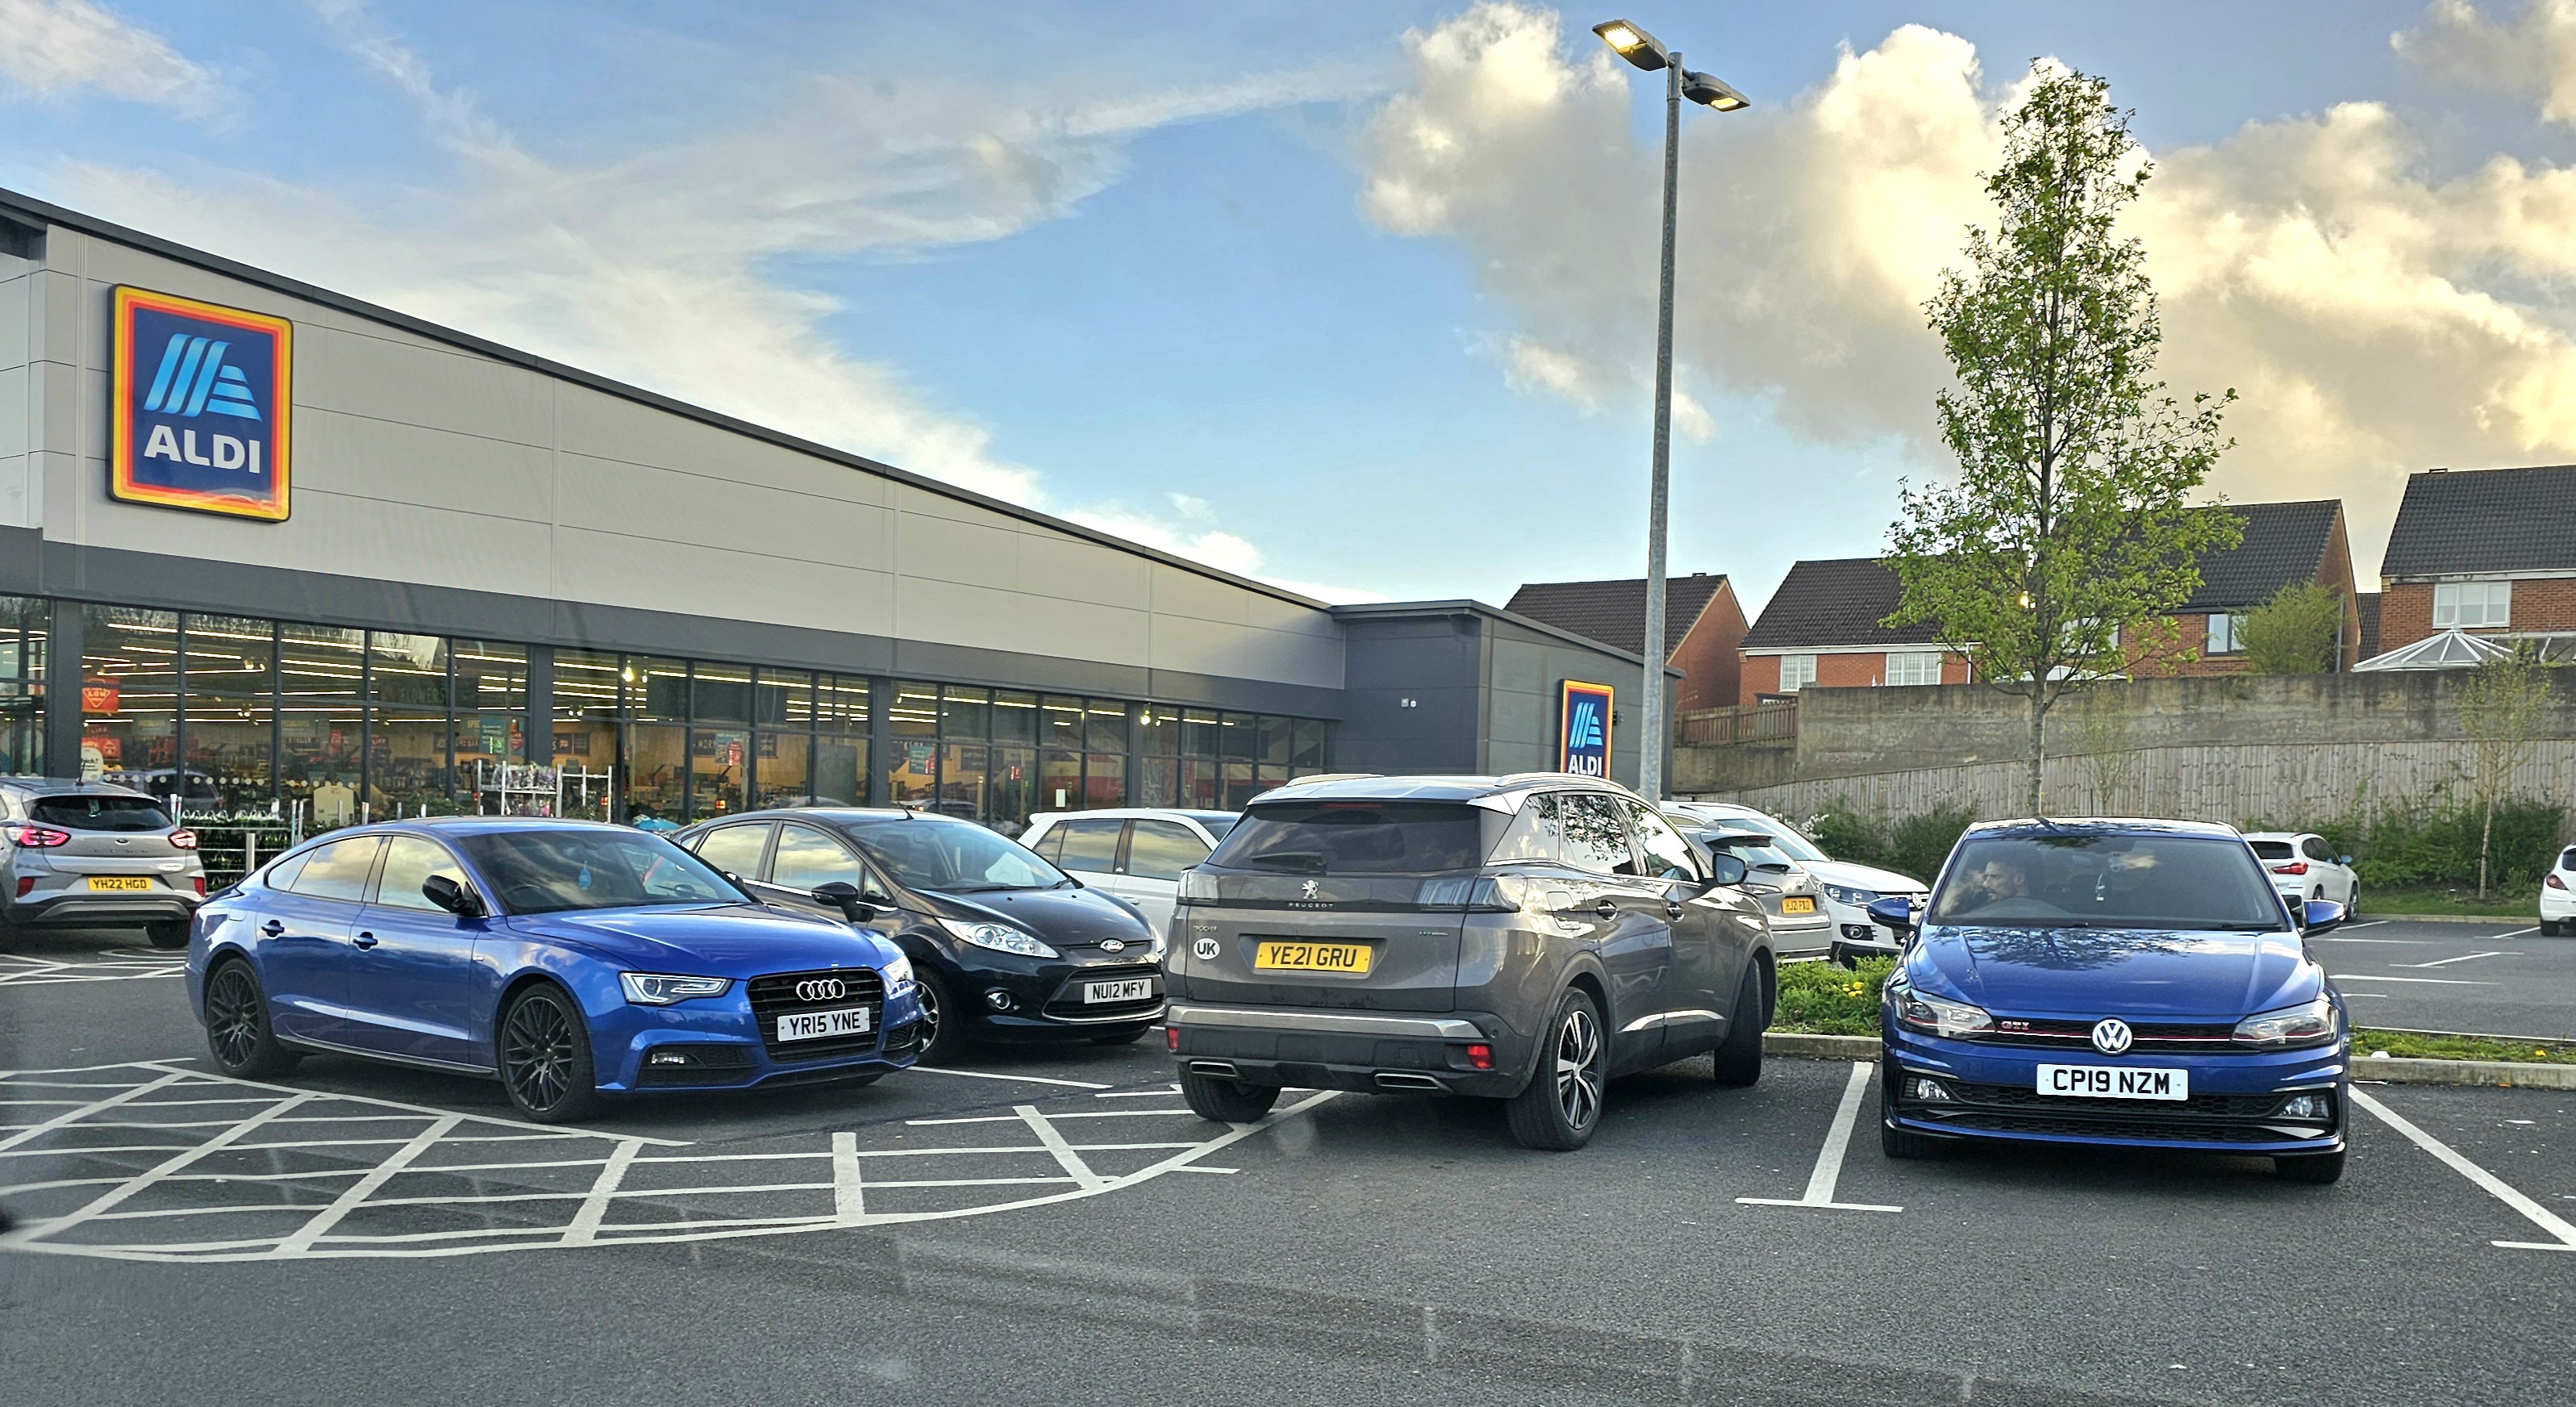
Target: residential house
1821, 628
2489, 550
1703, 625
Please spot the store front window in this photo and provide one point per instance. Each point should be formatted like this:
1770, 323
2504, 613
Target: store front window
24, 624
129, 694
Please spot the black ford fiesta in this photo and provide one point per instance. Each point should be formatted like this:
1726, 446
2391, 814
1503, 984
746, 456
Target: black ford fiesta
1005, 946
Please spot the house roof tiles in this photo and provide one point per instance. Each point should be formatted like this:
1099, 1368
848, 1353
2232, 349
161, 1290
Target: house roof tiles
2485, 520
1614, 612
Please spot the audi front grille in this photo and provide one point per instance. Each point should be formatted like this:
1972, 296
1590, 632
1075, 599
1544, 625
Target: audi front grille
776, 995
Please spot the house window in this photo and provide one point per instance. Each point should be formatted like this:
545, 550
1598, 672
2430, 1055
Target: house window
2222, 634
2469, 605
1916, 667
1796, 672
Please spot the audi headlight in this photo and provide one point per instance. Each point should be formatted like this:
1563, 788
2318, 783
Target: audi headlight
1000, 937
2311, 1023
898, 973
1942, 1018
662, 989
1856, 898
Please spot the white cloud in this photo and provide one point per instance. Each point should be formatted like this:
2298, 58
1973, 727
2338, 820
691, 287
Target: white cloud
2378, 317
656, 268
54, 48
2532, 56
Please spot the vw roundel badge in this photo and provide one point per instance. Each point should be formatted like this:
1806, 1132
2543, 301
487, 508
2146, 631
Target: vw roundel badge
201, 399
2112, 1036
1205, 950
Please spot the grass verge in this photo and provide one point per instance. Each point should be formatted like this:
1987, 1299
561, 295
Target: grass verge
2459, 903
2402, 1045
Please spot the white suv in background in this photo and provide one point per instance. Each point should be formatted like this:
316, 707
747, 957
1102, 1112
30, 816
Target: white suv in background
2558, 897
1849, 889
1135, 853
2304, 867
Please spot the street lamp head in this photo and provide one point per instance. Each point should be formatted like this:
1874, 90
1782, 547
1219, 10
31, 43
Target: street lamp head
1701, 88
1633, 44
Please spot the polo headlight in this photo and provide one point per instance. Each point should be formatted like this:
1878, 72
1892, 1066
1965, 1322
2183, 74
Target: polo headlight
1000, 937
1856, 898
898, 973
662, 989
1939, 1017
2312, 1023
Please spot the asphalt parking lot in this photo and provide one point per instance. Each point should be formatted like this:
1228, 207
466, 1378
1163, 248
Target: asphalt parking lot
2487, 978
1057, 1227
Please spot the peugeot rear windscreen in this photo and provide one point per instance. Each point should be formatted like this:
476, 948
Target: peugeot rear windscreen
1355, 837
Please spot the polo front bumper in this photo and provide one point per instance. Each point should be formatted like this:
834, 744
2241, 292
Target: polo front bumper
2236, 1102
1379, 1052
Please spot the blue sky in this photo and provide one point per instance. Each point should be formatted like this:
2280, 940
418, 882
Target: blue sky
1354, 296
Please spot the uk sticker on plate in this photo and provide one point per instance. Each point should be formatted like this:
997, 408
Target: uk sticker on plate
2114, 1082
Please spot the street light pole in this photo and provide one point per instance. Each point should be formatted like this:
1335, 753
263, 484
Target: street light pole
1650, 755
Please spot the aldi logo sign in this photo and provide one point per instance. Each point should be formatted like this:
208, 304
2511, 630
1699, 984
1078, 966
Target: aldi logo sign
1583, 742
201, 400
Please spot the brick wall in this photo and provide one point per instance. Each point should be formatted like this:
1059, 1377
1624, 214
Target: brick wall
2539, 603
2546, 603
1712, 671
1867, 669
2405, 614
1761, 675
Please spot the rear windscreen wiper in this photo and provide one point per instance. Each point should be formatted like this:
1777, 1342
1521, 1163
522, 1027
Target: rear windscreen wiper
1311, 861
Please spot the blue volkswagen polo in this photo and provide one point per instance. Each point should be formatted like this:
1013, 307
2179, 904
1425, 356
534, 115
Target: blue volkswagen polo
2135, 983
568, 959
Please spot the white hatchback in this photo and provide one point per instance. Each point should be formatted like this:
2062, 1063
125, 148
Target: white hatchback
2304, 867
2558, 897
1136, 853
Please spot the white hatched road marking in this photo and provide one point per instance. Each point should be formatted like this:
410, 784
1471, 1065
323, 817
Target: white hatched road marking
1829, 1159
2494, 1186
250, 1188
2464, 957
119, 965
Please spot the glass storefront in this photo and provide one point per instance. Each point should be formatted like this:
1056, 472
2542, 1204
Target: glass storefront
236, 714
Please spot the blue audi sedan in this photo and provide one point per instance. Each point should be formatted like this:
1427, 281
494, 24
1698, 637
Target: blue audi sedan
569, 960
2133, 983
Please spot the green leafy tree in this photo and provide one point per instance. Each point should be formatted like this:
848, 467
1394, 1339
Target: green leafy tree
2295, 632
2070, 522
2503, 705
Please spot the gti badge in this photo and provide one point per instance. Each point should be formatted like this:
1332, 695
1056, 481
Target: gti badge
1204, 950
1308, 888
2111, 1036
1112, 945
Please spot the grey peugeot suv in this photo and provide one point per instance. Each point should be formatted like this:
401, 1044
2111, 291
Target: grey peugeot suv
95, 855
1523, 938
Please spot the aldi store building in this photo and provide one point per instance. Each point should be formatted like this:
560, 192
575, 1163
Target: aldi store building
265, 546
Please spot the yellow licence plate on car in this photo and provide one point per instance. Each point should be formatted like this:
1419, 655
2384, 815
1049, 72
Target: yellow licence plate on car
1312, 957
121, 884
1798, 905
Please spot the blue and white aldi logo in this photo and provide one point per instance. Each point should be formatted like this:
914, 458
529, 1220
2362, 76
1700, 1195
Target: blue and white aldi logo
201, 401
1583, 746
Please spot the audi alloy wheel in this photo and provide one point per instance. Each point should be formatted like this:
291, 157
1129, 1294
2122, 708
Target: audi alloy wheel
545, 1057
237, 1031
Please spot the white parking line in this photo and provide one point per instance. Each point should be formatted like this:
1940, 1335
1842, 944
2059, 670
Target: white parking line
2535, 928
2427, 981
2464, 957
2374, 923
2398, 942
1084, 1114
1829, 1160
1016, 1079
2539, 1215
1065, 1157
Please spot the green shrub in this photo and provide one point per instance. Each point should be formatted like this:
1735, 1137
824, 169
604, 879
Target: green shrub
1847, 836
1916, 845
2436, 842
1829, 1000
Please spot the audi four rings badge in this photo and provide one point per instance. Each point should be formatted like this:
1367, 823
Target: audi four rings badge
822, 989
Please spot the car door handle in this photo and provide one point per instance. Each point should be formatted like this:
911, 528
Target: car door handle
273, 929
1606, 909
1672, 908
365, 940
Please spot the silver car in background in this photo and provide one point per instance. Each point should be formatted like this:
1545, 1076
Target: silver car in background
95, 855
1801, 924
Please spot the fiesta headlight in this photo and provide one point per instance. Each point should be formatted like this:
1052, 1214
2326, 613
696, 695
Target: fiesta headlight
898, 973
1856, 898
2311, 1023
662, 989
1000, 937
1939, 1017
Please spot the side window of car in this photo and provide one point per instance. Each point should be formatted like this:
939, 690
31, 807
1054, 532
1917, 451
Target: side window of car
1595, 838
1051, 844
735, 849
409, 862
281, 876
1667, 854
1089, 845
809, 859
2316, 848
1533, 837
338, 870
1162, 849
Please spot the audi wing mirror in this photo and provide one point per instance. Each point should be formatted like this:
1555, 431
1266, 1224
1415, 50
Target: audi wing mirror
446, 893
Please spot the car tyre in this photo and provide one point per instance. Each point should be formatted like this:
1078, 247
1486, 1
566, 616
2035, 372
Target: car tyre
545, 1056
1226, 1101
943, 1037
1128, 1037
167, 935
237, 1030
1559, 1109
1739, 1057
2316, 1168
